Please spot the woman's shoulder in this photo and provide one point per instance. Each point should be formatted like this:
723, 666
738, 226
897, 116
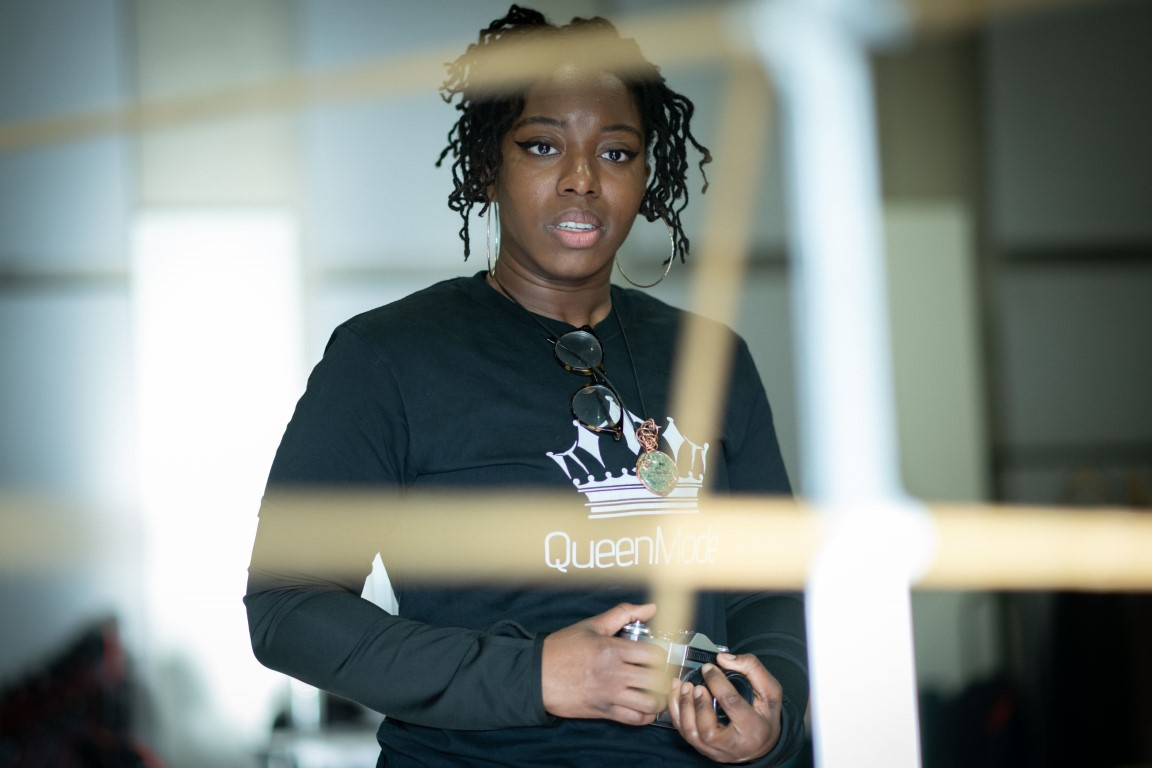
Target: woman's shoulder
447, 303
644, 308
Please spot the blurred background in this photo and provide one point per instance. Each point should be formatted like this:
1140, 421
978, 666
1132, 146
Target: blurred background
164, 292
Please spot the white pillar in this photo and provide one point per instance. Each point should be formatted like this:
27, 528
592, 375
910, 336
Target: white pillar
864, 709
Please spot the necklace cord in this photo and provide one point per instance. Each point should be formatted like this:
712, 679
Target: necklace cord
623, 336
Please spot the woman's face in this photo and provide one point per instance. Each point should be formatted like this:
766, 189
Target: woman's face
572, 177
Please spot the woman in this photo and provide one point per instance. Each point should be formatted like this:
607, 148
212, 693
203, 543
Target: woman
470, 383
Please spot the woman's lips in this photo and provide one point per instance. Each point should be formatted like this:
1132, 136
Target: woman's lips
577, 229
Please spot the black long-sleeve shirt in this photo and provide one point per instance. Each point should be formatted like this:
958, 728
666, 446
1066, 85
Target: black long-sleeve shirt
457, 388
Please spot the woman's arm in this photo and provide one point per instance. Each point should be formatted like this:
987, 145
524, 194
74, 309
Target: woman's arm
306, 616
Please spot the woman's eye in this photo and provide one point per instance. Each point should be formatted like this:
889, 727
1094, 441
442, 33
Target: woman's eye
618, 155
539, 148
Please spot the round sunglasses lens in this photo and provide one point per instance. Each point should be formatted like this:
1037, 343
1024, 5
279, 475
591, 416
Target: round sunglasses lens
595, 406
579, 350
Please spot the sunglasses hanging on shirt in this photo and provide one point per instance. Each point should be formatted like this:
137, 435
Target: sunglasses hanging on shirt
597, 406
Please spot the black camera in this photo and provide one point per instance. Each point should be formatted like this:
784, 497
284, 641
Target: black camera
688, 652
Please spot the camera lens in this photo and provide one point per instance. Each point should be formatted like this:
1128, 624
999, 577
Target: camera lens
742, 686
739, 682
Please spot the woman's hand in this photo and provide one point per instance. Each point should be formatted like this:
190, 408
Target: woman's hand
589, 673
752, 729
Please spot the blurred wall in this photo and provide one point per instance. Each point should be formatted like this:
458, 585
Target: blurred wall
1068, 281
1069, 229
66, 400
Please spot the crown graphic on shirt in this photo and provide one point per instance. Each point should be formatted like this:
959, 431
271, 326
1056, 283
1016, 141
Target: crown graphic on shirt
609, 495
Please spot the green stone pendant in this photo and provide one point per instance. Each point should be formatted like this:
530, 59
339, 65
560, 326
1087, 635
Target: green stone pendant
657, 471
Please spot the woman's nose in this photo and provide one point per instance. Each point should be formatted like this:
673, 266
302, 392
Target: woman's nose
578, 177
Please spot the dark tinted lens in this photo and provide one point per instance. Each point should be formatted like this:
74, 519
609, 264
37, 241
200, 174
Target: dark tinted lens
595, 406
579, 350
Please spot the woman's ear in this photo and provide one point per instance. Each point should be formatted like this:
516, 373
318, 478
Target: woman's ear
490, 190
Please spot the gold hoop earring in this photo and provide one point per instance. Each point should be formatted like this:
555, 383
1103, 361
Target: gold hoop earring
667, 264
488, 238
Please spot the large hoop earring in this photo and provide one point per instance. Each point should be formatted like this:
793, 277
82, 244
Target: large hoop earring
488, 237
667, 264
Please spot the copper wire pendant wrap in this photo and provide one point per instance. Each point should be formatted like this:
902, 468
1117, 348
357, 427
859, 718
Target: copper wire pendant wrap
655, 469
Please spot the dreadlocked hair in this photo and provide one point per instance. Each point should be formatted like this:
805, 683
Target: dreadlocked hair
491, 98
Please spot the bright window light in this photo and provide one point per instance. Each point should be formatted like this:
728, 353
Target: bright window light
217, 300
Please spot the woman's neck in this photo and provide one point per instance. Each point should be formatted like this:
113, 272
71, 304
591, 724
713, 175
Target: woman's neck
579, 305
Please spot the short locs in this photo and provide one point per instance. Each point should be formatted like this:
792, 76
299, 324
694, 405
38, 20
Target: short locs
486, 114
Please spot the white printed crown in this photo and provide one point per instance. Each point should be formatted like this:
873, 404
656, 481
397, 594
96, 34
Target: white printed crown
625, 495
